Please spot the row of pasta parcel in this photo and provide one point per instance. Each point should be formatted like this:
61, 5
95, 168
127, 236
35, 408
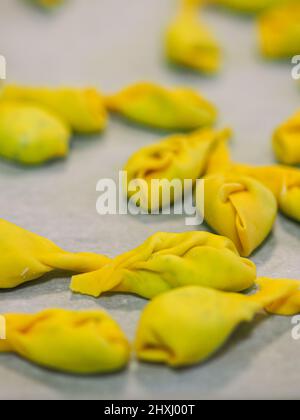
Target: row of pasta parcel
194, 282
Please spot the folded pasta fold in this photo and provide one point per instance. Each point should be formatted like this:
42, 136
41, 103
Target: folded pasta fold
187, 326
82, 109
240, 208
25, 256
177, 158
286, 141
170, 109
30, 135
190, 43
283, 181
279, 30
74, 342
168, 260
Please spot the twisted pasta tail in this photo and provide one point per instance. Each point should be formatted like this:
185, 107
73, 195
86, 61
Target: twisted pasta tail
98, 282
279, 296
75, 262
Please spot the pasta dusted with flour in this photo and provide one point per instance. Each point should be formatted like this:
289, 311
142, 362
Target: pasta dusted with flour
178, 158
25, 256
75, 342
166, 261
240, 208
170, 109
186, 326
286, 141
30, 135
82, 109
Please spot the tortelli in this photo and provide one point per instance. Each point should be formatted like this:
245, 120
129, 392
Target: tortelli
178, 158
279, 30
75, 342
169, 260
25, 256
286, 141
170, 109
82, 109
283, 181
240, 208
30, 135
186, 326
190, 43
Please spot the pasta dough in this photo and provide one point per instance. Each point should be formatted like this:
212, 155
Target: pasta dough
282, 180
240, 208
171, 109
286, 141
279, 30
189, 42
75, 342
48, 4
30, 135
246, 6
188, 325
82, 109
180, 157
168, 260
25, 256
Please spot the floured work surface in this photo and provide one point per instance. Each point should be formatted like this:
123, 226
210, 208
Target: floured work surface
90, 43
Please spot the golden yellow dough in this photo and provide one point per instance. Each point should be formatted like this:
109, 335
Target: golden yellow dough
162, 108
31, 135
83, 109
240, 208
87, 342
25, 256
169, 260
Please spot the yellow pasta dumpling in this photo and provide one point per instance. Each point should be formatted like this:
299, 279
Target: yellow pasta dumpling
186, 326
87, 342
279, 30
31, 135
240, 208
178, 158
25, 256
283, 181
190, 43
169, 109
166, 261
286, 141
82, 109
